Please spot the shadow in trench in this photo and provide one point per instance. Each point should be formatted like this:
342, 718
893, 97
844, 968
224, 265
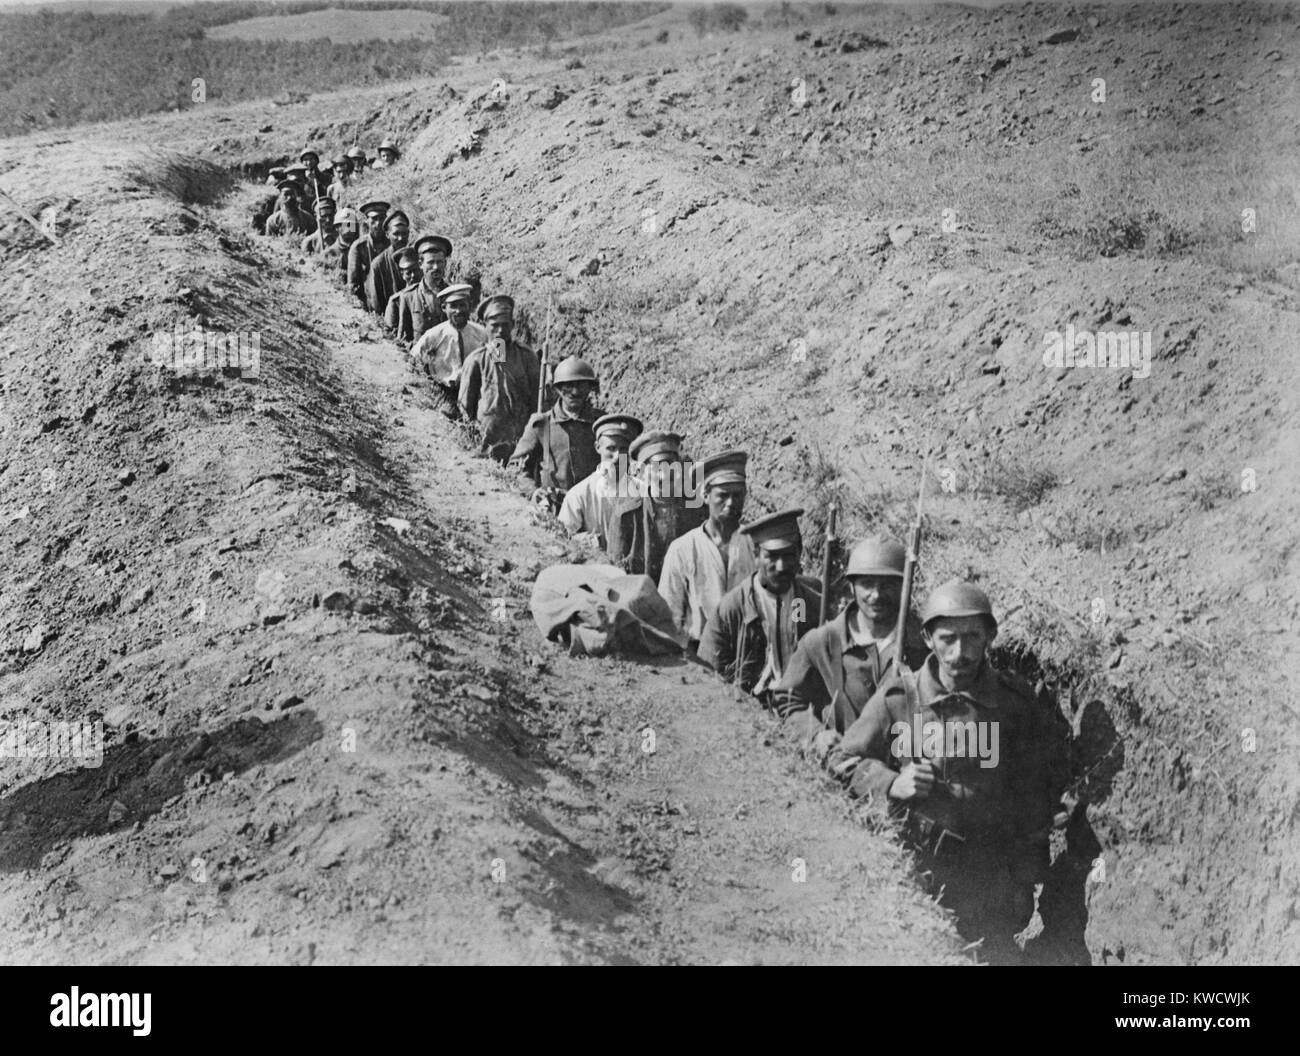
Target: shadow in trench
134, 781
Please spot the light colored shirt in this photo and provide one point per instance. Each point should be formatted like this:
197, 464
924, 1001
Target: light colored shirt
779, 629
587, 505
444, 349
697, 573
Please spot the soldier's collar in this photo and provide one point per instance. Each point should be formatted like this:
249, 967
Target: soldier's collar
559, 414
984, 692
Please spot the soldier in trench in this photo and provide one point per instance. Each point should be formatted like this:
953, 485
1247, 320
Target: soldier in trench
967, 755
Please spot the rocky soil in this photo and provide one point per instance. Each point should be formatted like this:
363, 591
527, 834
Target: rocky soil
838, 243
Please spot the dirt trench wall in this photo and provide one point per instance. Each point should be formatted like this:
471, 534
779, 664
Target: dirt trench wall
838, 343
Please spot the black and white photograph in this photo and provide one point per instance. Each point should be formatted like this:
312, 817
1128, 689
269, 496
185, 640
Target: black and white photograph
646, 483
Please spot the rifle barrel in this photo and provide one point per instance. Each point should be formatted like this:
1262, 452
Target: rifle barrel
824, 609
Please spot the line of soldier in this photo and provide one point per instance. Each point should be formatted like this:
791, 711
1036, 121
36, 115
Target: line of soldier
736, 592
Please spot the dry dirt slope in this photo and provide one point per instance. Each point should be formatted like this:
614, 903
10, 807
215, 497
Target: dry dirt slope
1135, 525
732, 225
275, 592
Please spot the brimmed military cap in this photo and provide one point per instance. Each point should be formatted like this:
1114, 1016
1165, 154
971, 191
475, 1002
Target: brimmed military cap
955, 599
459, 292
498, 305
726, 468
877, 557
298, 168
776, 531
408, 257
655, 444
288, 185
375, 208
434, 242
326, 204
624, 425
396, 214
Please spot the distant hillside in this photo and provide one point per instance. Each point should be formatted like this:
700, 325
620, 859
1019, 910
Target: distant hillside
63, 67
336, 25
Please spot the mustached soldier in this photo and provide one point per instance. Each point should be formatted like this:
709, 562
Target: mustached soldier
289, 217
980, 791
702, 565
326, 233
587, 505
660, 503
365, 249
558, 447
419, 307
753, 634
442, 351
498, 385
384, 279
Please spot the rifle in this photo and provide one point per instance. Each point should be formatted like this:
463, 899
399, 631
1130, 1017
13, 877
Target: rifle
909, 573
826, 564
546, 353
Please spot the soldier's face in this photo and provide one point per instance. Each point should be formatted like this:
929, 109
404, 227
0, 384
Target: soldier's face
434, 266
501, 327
778, 567
878, 597
959, 643
726, 503
290, 198
398, 232
458, 313
374, 224
609, 447
310, 162
410, 273
574, 395
387, 157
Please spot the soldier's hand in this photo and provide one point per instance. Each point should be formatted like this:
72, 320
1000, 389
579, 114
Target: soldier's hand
915, 781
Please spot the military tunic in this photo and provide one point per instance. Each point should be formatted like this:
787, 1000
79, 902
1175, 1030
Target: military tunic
290, 222
498, 389
363, 251
753, 634
557, 449
643, 527
983, 830
383, 280
418, 311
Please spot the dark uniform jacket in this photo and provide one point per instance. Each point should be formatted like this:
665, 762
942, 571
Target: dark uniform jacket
639, 530
734, 642
556, 450
835, 678
383, 280
361, 254
290, 222
499, 391
318, 242
417, 311
1010, 804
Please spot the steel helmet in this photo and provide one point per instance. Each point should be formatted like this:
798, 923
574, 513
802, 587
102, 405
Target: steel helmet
573, 369
877, 557
956, 598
